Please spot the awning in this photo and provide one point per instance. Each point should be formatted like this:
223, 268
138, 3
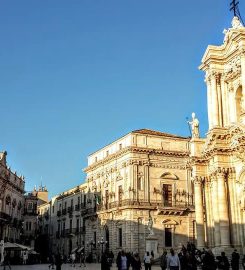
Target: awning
74, 250
10, 245
22, 247
80, 249
16, 246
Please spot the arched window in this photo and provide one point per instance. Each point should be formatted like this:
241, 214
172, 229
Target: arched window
14, 203
8, 200
238, 103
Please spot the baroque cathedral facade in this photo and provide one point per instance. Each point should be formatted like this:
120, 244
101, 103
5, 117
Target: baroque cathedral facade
151, 190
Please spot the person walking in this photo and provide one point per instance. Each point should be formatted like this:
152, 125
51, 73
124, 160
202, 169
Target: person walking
243, 262
6, 261
235, 258
122, 261
25, 257
147, 261
58, 261
73, 259
163, 260
173, 262
208, 261
223, 262
136, 263
105, 263
82, 260
51, 260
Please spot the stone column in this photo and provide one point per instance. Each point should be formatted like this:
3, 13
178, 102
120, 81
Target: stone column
215, 211
199, 212
223, 210
234, 219
215, 109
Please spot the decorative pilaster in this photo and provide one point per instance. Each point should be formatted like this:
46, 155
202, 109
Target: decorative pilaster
223, 209
147, 186
215, 210
208, 213
199, 212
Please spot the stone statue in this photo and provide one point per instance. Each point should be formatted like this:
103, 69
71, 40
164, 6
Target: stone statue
236, 24
150, 226
194, 126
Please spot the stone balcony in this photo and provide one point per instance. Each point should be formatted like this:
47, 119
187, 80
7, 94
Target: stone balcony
174, 207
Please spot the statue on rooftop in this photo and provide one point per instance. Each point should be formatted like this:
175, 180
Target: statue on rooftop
194, 126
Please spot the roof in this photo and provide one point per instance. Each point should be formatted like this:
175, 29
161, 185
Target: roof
157, 133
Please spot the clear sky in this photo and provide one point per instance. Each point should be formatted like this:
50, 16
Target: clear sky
77, 74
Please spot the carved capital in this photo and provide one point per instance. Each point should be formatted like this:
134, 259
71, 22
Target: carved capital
221, 172
198, 180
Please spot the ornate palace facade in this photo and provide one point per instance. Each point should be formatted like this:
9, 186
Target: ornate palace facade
11, 202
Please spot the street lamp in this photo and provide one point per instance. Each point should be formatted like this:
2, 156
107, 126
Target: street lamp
101, 243
91, 243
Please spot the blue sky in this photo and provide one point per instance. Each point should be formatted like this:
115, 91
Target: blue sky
76, 75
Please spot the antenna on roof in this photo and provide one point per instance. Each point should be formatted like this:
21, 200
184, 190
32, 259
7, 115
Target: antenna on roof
235, 9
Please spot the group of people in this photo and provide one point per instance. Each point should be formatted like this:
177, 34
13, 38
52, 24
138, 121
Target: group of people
190, 258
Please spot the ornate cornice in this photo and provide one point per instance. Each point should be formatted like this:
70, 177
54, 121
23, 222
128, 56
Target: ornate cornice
138, 150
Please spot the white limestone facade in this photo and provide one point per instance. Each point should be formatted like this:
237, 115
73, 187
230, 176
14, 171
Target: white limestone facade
218, 162
144, 176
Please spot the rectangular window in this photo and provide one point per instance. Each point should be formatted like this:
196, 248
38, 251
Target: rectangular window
30, 206
120, 146
168, 237
167, 194
71, 202
120, 237
84, 200
78, 200
29, 226
26, 226
70, 225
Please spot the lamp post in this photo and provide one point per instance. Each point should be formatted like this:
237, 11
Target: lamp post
91, 243
101, 243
